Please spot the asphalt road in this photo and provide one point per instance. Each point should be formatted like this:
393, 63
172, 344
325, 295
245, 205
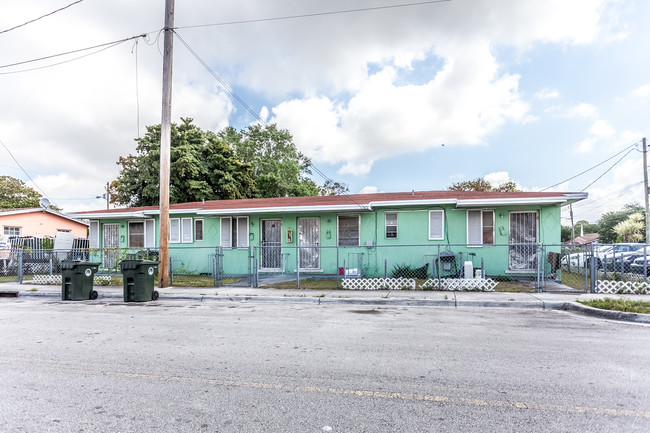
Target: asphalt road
250, 367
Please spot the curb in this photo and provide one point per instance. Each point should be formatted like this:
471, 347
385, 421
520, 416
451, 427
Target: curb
607, 314
318, 300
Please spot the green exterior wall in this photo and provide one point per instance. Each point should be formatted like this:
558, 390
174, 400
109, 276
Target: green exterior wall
412, 246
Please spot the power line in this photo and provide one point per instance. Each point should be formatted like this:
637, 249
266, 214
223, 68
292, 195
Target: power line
221, 81
315, 14
24, 171
608, 170
42, 16
589, 169
61, 63
246, 106
144, 35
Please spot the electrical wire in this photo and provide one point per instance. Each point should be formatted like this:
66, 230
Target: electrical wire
315, 14
26, 174
247, 107
41, 17
220, 80
608, 170
112, 43
589, 169
61, 63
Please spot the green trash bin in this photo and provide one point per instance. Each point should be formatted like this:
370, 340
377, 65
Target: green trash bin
77, 280
138, 276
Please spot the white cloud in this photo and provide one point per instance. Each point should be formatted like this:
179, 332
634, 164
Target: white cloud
547, 94
641, 92
601, 129
583, 111
497, 178
73, 121
369, 190
461, 104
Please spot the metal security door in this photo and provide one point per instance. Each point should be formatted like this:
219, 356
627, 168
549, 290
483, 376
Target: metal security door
271, 244
111, 244
523, 241
309, 243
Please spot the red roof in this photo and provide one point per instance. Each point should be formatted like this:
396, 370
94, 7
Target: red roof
349, 199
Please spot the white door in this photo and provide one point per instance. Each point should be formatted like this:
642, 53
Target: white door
309, 243
523, 239
111, 244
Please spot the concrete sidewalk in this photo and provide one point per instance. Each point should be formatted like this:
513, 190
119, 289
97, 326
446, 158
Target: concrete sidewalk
456, 299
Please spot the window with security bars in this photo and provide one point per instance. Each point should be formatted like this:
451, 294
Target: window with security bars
348, 233
391, 225
12, 231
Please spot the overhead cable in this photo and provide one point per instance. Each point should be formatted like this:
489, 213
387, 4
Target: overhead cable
42, 16
25, 171
589, 169
315, 14
144, 35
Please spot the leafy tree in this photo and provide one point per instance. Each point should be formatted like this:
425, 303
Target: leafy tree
480, 184
333, 188
15, 194
632, 229
608, 220
202, 167
280, 170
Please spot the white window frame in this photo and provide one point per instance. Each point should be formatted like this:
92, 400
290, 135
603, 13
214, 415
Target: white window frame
386, 225
198, 238
241, 235
93, 239
149, 230
187, 232
442, 225
174, 232
12, 229
338, 229
481, 212
150, 227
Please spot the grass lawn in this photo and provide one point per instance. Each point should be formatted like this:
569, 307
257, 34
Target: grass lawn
624, 305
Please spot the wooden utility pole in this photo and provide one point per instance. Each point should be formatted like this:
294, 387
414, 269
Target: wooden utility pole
645, 192
165, 147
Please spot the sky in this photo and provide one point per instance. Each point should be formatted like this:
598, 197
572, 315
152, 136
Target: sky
381, 97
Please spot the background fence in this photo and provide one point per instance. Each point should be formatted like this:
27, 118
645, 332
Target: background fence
515, 267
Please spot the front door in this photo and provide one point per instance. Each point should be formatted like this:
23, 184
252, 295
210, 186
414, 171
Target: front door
111, 244
523, 241
309, 243
271, 244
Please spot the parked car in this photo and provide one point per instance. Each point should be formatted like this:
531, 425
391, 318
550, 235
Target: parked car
621, 261
583, 259
641, 265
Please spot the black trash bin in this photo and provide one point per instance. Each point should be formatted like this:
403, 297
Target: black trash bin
138, 276
77, 280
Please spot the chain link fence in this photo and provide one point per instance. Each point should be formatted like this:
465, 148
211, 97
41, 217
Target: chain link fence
512, 267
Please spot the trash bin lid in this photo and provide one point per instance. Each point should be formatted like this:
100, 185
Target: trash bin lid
72, 264
127, 265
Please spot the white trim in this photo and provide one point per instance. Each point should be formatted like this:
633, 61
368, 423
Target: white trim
222, 242
281, 209
482, 211
171, 227
92, 244
191, 227
396, 225
442, 225
510, 201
